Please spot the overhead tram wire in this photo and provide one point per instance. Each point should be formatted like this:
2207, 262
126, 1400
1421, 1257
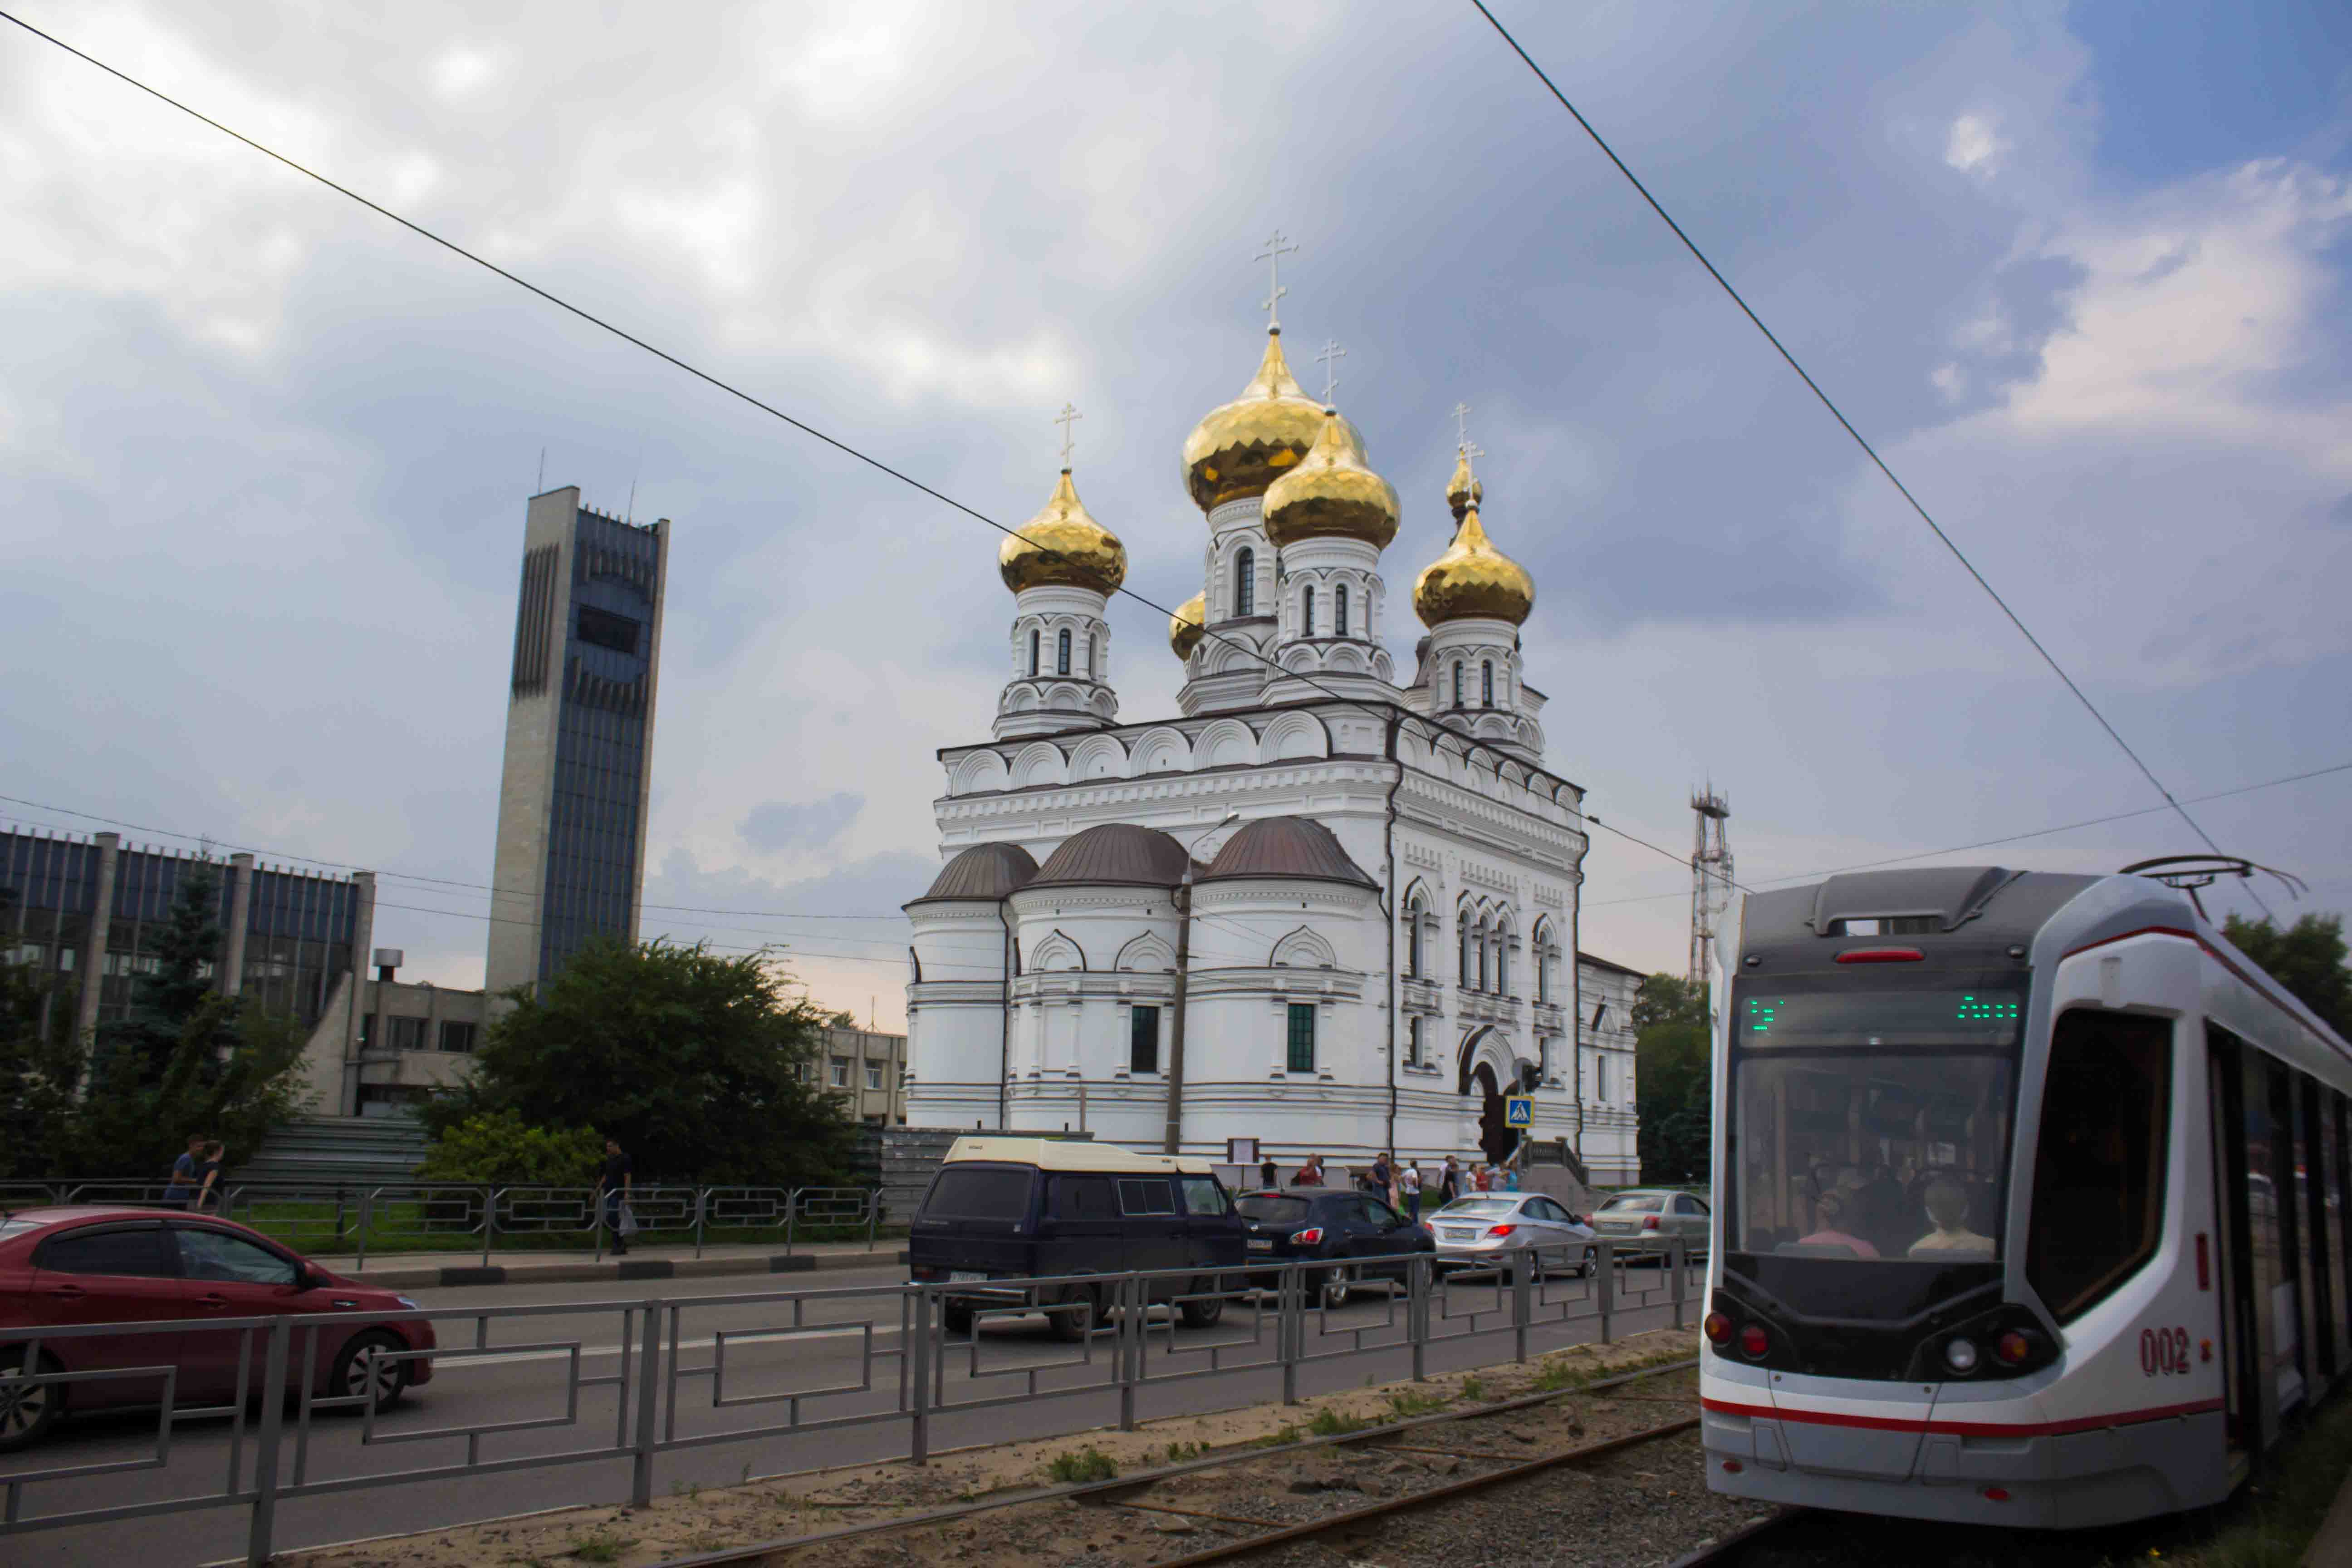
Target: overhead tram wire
1439, 734
1868, 450
1988, 843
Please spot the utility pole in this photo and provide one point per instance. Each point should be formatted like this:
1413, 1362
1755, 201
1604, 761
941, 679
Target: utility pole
1710, 880
1172, 1140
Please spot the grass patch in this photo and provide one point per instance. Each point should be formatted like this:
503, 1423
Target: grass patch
600, 1547
1280, 1438
1473, 1389
1075, 1466
1406, 1403
1556, 1374
2281, 1508
1180, 1452
1331, 1422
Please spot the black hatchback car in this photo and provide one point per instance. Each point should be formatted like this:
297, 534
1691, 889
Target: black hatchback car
1003, 1211
1333, 1226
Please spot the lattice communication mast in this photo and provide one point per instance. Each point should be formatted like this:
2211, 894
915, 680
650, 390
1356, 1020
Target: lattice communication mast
1710, 881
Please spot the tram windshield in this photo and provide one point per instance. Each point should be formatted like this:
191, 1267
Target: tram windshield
1870, 1127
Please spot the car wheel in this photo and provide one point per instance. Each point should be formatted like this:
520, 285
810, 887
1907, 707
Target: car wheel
1081, 1308
1202, 1314
384, 1383
1584, 1265
1338, 1283
956, 1317
27, 1409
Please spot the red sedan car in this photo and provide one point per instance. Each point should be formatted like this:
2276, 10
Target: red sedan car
171, 1273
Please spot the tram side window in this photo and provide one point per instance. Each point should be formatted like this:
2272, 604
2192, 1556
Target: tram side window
2098, 1169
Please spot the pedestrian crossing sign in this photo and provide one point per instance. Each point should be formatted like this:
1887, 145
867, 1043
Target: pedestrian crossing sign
1519, 1111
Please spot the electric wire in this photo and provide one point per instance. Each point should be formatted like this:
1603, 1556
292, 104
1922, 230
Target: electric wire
1868, 450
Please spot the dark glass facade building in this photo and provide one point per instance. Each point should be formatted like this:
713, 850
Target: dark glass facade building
75, 909
579, 746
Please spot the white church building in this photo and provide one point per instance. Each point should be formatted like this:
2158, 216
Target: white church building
1359, 892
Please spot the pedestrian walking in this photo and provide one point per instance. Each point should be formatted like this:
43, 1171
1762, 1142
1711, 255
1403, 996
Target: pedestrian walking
613, 1187
1310, 1175
1266, 1172
216, 1172
1409, 1188
1510, 1178
187, 1174
1449, 1183
1376, 1180
1481, 1179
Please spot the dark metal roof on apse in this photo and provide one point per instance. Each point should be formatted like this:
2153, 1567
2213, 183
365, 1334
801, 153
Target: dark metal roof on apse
984, 871
1116, 852
1285, 846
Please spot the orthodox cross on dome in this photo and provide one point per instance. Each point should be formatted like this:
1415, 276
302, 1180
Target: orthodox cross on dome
1329, 359
1470, 451
1066, 418
1271, 256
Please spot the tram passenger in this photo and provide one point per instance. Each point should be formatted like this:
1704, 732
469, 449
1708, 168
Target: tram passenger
1884, 1212
1948, 1211
1829, 1210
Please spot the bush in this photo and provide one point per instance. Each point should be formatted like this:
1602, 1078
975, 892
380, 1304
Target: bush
1088, 1464
501, 1148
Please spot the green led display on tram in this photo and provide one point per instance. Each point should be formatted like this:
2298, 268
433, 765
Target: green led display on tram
1759, 1015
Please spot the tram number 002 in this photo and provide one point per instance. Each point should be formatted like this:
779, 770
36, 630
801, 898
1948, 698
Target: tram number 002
2163, 1352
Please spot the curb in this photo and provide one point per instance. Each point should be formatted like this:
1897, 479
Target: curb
617, 1269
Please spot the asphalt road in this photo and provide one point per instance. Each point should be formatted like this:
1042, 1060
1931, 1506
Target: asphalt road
840, 1353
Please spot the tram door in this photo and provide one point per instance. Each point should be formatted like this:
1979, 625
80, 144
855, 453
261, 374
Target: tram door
2233, 1263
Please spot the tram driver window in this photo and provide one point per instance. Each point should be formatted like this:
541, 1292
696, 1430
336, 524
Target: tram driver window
2098, 1166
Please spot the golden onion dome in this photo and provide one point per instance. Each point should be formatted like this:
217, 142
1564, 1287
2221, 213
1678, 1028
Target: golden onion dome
1331, 495
1241, 448
1462, 492
1184, 626
1473, 578
1063, 544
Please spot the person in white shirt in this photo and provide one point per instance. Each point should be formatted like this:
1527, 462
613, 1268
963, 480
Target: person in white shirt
1409, 1189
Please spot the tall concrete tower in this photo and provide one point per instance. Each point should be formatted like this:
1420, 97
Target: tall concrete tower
1710, 880
580, 735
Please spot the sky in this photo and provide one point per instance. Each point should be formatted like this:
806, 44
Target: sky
2079, 273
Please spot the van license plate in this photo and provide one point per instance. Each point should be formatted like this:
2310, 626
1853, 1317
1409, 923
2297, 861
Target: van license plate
966, 1276
1261, 1245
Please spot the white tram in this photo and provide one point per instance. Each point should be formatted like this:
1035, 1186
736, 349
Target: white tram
2031, 1195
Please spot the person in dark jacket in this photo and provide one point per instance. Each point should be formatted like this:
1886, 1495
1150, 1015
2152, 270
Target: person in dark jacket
612, 1191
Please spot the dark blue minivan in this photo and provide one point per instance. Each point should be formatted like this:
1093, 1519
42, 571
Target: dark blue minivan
1003, 1211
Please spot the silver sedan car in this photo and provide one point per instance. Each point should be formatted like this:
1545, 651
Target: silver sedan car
1482, 1230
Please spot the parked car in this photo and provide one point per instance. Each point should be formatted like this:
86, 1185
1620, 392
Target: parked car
1337, 1230
1483, 1230
1652, 1215
170, 1274
1002, 1211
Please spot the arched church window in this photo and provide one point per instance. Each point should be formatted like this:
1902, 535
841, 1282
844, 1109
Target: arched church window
1033, 650
1245, 583
1482, 955
1458, 684
1412, 940
1502, 963
1487, 683
1062, 652
1308, 599
1092, 672
1469, 965
1339, 611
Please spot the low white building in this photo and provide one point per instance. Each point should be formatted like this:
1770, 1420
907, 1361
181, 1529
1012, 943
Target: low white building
1381, 879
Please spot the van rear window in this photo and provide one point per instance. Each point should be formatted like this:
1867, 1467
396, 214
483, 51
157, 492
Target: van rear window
977, 1192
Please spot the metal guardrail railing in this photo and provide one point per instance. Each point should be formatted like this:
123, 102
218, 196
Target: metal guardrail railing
676, 1373
331, 1219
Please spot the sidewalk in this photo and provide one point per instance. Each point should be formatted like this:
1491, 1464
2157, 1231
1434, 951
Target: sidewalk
2331, 1547
431, 1270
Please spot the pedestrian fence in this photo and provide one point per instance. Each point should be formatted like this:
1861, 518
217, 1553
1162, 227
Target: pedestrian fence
331, 1218
684, 1373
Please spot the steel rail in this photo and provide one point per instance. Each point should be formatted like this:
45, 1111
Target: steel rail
1731, 1547
728, 1557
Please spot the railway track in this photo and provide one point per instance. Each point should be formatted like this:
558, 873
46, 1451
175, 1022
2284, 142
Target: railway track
1410, 1473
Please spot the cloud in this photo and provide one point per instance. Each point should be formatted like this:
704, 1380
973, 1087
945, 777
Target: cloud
780, 826
1973, 148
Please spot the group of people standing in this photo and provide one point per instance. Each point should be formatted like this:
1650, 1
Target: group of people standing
1400, 1184
195, 1182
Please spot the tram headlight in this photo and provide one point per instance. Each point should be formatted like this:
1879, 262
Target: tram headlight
1717, 1328
1960, 1355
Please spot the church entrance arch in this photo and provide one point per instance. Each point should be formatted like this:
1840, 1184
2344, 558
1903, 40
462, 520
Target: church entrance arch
1479, 1080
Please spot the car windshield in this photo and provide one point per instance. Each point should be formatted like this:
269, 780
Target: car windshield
1635, 1203
1871, 1129
1273, 1208
1472, 1206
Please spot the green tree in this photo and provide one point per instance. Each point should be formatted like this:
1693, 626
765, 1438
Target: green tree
185, 1060
2307, 958
690, 1058
502, 1147
38, 1070
1672, 1056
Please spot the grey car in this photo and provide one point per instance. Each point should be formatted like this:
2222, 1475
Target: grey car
1652, 1215
1482, 1230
